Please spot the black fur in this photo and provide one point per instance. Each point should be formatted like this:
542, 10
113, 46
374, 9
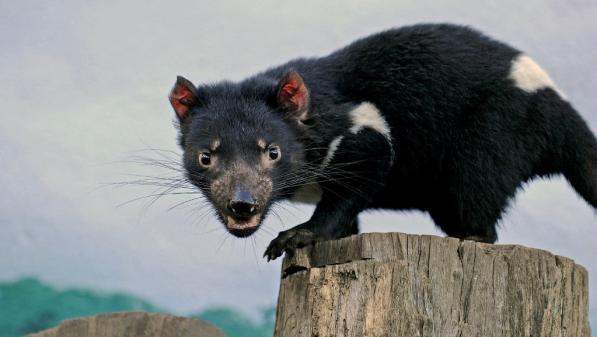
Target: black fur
464, 137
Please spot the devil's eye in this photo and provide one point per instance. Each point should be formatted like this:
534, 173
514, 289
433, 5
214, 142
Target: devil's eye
274, 153
205, 159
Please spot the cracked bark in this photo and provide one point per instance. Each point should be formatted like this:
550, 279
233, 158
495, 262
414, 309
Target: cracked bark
392, 284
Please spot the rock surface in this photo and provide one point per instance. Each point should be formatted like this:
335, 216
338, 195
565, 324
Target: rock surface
132, 324
393, 284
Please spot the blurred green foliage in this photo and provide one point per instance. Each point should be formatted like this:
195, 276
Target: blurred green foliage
234, 324
28, 306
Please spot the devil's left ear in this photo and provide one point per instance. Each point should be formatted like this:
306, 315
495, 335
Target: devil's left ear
293, 96
183, 97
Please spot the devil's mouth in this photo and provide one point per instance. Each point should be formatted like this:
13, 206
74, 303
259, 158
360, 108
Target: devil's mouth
243, 227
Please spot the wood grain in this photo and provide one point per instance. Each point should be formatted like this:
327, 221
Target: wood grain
393, 284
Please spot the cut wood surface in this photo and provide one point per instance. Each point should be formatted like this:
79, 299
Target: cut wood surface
132, 324
393, 284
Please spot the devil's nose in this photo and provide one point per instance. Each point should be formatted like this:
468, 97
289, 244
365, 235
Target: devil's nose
244, 209
243, 204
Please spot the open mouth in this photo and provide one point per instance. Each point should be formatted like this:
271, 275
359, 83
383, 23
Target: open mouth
243, 227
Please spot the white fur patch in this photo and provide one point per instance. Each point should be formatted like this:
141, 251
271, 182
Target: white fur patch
529, 76
366, 115
308, 194
334, 144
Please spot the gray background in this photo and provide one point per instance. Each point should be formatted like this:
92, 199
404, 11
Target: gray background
84, 84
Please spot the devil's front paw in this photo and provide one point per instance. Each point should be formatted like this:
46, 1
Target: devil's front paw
288, 241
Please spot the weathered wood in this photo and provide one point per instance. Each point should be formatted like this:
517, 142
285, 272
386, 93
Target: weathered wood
132, 324
392, 284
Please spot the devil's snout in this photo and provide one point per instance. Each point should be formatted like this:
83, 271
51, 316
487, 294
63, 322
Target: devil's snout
242, 204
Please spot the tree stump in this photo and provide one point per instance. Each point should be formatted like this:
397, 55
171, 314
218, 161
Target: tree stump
132, 324
393, 284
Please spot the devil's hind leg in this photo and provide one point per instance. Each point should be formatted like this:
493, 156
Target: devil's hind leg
466, 224
474, 199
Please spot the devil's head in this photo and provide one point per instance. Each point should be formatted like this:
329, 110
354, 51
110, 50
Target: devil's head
242, 145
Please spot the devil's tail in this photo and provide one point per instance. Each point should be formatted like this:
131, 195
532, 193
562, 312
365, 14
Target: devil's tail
579, 157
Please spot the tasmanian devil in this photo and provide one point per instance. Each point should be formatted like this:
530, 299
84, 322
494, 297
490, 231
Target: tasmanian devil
432, 117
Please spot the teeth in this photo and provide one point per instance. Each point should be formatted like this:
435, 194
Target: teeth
234, 224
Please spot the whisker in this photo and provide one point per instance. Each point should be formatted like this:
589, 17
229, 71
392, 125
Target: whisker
222, 243
184, 202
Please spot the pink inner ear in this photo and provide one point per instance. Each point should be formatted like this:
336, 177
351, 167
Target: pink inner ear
294, 92
181, 97
179, 107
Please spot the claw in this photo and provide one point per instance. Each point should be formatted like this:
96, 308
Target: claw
288, 241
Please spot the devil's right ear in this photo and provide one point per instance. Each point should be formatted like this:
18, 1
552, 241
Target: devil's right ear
183, 97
